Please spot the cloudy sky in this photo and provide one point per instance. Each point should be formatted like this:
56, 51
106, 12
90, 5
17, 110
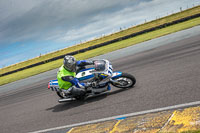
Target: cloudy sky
29, 28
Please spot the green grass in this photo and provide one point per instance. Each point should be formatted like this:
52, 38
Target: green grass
102, 50
197, 131
192, 131
129, 31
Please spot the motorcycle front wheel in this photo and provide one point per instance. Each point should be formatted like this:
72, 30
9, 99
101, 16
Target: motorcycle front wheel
124, 81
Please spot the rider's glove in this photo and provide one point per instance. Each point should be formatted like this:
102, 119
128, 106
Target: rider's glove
90, 62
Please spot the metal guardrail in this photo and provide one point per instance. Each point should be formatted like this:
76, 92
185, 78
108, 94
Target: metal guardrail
105, 43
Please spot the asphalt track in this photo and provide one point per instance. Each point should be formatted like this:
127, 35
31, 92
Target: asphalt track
167, 75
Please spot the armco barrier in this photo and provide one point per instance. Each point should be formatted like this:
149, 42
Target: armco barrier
105, 43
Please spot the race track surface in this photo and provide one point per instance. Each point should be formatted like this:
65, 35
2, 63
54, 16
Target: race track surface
167, 75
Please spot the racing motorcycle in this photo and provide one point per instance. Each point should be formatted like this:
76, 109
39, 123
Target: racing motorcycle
102, 74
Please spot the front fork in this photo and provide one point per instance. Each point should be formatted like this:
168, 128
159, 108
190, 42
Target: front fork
114, 76
115, 82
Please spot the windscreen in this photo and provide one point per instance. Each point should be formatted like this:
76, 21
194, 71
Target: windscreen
100, 65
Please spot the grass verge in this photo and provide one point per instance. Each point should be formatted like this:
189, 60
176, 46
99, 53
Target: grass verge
197, 131
129, 31
102, 50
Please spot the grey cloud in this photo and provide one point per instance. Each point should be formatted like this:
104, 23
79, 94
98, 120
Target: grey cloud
129, 15
41, 20
55, 24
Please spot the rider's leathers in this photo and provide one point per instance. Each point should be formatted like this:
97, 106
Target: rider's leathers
66, 78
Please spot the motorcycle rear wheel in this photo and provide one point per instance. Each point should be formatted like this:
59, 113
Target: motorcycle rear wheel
60, 94
124, 81
77, 97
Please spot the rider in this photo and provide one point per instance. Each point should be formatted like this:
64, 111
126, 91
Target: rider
66, 76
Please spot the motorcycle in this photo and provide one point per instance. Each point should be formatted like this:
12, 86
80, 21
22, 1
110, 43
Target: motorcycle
102, 74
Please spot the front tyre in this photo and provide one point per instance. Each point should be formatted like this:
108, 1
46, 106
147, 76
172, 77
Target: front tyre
124, 81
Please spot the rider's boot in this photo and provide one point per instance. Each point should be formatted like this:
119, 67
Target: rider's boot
77, 91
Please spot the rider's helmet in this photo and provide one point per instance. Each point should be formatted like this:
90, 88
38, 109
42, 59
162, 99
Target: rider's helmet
69, 63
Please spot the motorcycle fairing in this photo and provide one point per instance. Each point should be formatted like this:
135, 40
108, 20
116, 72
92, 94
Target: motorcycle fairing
85, 74
116, 75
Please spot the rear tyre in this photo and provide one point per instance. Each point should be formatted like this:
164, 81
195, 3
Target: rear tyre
60, 94
124, 81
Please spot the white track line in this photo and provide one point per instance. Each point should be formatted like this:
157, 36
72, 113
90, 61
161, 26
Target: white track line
167, 121
125, 115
